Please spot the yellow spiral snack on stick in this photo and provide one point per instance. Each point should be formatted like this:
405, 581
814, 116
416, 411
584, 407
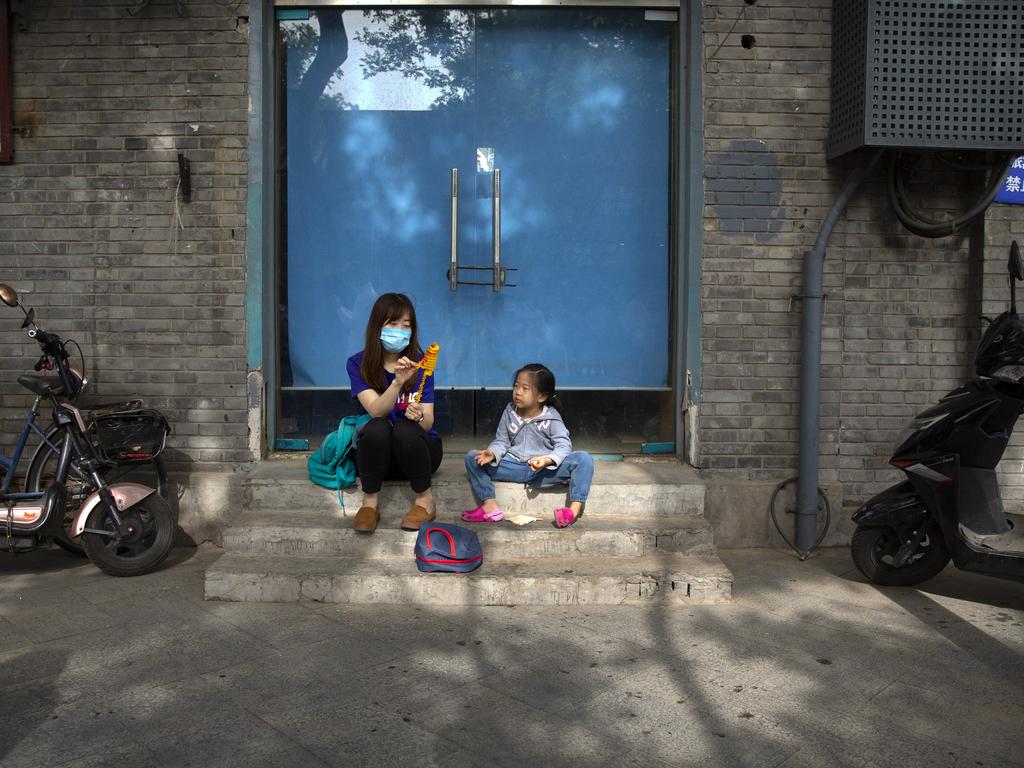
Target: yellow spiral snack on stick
428, 364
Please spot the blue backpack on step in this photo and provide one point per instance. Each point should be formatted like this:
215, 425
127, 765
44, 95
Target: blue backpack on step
448, 548
332, 465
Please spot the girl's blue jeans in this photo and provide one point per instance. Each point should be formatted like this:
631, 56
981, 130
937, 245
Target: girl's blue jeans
577, 469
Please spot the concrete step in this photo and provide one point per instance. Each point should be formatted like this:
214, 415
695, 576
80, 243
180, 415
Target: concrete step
653, 489
305, 534
668, 577
643, 537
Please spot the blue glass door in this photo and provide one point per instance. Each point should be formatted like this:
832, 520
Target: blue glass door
370, 146
574, 104
570, 108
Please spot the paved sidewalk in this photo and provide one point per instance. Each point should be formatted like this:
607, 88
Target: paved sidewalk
807, 667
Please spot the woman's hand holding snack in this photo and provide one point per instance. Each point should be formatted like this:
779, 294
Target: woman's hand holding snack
414, 412
404, 370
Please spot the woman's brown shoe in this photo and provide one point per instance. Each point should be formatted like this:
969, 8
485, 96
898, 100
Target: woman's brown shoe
415, 517
366, 520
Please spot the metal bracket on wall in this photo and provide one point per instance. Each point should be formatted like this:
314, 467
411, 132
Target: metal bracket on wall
801, 296
19, 14
185, 178
140, 5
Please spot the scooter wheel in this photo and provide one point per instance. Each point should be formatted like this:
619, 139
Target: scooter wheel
43, 467
150, 537
874, 548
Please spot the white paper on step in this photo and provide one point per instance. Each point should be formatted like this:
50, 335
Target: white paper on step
522, 519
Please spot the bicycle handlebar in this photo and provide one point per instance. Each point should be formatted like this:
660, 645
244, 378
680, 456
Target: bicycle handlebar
53, 349
54, 354
45, 340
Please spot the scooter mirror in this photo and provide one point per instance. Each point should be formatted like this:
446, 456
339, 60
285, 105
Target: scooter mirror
30, 317
1015, 267
8, 295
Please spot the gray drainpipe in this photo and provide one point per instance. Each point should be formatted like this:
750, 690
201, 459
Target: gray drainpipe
810, 365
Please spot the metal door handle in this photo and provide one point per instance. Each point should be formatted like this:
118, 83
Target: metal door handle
496, 232
497, 281
453, 271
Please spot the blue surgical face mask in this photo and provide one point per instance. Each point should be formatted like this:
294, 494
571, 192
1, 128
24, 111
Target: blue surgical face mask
395, 339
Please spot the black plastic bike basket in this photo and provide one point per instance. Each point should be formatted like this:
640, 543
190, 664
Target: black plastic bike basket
131, 435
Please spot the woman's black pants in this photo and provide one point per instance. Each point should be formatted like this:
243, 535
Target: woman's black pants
387, 451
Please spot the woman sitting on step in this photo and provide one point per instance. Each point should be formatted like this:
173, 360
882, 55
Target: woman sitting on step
399, 442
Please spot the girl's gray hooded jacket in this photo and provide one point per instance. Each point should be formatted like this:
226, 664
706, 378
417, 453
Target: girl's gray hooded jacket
522, 439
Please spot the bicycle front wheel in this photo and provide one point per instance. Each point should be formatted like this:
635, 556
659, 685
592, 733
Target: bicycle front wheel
149, 537
43, 468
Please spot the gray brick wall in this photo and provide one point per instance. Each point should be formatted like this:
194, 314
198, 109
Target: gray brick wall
105, 102
901, 318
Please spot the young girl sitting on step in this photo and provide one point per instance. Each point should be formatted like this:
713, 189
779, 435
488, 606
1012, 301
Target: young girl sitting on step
532, 445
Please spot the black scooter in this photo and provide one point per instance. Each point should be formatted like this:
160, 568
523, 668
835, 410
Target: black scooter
125, 528
950, 505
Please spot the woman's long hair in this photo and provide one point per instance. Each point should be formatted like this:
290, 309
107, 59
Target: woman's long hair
388, 307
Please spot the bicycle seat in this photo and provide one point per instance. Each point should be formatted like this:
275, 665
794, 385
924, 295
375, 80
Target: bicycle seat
41, 385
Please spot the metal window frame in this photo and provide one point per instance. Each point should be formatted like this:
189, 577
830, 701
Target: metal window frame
689, 241
687, 170
261, 226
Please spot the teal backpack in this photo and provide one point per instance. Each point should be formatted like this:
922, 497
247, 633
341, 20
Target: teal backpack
332, 464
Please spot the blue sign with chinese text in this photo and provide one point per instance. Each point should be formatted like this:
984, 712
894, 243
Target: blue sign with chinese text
1012, 190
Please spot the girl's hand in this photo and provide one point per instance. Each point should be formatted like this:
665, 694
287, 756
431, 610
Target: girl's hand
539, 462
484, 457
414, 411
404, 370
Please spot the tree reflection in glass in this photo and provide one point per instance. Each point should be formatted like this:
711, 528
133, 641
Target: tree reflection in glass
380, 59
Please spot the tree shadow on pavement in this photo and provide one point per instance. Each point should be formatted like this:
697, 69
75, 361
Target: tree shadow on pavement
804, 668
31, 697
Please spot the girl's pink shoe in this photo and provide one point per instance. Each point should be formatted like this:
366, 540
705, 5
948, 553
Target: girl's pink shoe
564, 517
480, 515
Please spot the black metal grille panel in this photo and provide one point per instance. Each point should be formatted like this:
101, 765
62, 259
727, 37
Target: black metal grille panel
938, 74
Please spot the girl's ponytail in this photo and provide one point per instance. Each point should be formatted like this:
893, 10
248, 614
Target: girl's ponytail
554, 401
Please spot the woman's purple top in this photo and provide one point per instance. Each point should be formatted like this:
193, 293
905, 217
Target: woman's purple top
398, 412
